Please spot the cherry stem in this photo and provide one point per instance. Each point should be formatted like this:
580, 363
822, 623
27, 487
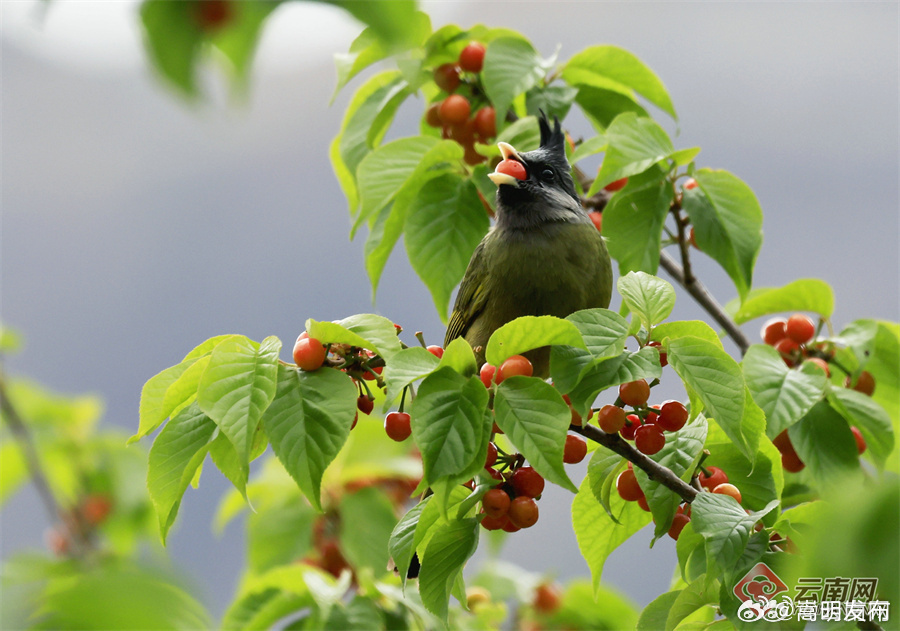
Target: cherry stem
421, 337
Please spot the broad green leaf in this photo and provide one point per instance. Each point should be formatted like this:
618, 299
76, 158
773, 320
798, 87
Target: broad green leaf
184, 389
604, 333
698, 594
447, 418
446, 554
524, 135
434, 516
511, 66
614, 68
265, 599
727, 223
633, 221
655, 614
685, 328
636, 143
400, 544
366, 330
445, 223
206, 347
460, 357
691, 551
237, 386
684, 156
13, 471
717, 380
872, 420
554, 100
825, 444
589, 147
603, 470
530, 332
724, 525
760, 480
238, 40
536, 420
308, 422
859, 338
151, 412
614, 371
806, 294
597, 534
226, 459
582, 608
279, 532
174, 458
396, 22
784, 394
367, 518
173, 40
647, 296
406, 367
602, 106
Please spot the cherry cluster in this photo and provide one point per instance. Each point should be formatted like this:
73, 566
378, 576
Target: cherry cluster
79, 522
645, 425
452, 114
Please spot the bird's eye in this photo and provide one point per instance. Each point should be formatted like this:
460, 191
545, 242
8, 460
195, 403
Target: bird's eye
547, 175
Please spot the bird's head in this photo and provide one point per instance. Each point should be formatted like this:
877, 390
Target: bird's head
543, 191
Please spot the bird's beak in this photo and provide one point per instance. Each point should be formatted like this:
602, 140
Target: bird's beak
503, 178
508, 152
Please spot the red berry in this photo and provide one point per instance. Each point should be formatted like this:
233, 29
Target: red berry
576, 449
455, 110
634, 393
471, 59
618, 185
486, 122
433, 116
509, 526
865, 383
547, 598
513, 168
211, 15
523, 512
860, 441
715, 478
491, 455
365, 404
791, 461
652, 415
787, 347
678, 523
672, 416
496, 475
57, 540
692, 238
773, 331
437, 351
597, 218
97, 507
728, 489
821, 363
396, 424
309, 354
515, 365
447, 77
611, 418
628, 487
496, 503
663, 356
487, 374
634, 421
649, 439
527, 482
800, 328
642, 502
690, 183
492, 523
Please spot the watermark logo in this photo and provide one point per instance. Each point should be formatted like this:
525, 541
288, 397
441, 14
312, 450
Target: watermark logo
759, 583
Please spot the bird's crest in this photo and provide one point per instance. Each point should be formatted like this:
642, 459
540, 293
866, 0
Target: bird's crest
552, 138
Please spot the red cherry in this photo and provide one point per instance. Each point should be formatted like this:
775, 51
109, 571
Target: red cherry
211, 15
860, 441
496, 503
527, 482
487, 374
663, 356
642, 502
773, 331
690, 183
97, 507
455, 110
396, 424
575, 450
433, 116
652, 415
611, 418
491, 523
471, 59
491, 458
447, 78
509, 526
786, 347
634, 421
597, 218
513, 168
634, 393
821, 363
515, 365
728, 489
865, 383
628, 487
672, 416
437, 351
678, 523
715, 478
547, 598
486, 122
649, 439
800, 328
692, 238
309, 354
523, 512
618, 185
496, 475
365, 404
791, 462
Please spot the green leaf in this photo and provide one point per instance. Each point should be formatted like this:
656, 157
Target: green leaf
237, 386
536, 420
785, 395
872, 420
265, 599
460, 357
447, 419
511, 66
444, 225
238, 39
760, 480
524, 135
654, 615
367, 519
11, 340
554, 100
396, 22
597, 534
727, 223
685, 328
366, 330
13, 471
434, 515
713, 376
684, 156
825, 444
174, 458
636, 143
308, 422
649, 297
151, 412
184, 389
603, 470
691, 552
602, 106
633, 221
614, 371
589, 147
698, 594
613, 68
226, 459
530, 332
447, 552
406, 367
173, 39
400, 544
724, 525
604, 333
806, 294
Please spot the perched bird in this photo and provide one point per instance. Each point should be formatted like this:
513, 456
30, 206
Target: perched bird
543, 257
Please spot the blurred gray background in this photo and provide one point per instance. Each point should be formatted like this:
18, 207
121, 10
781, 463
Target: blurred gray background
135, 225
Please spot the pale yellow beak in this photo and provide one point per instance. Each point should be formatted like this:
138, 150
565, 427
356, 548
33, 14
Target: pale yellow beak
507, 151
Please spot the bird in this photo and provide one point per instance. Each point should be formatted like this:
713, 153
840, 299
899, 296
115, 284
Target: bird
543, 256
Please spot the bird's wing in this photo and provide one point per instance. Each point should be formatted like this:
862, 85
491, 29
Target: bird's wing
472, 296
